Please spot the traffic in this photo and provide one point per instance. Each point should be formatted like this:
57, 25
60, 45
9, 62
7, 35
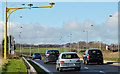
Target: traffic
70, 60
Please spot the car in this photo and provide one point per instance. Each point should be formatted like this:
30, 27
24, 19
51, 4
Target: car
68, 60
51, 55
93, 56
36, 56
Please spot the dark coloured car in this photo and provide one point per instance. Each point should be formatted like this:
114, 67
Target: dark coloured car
93, 56
36, 56
51, 55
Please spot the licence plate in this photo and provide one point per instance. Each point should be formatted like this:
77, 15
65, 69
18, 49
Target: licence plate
71, 64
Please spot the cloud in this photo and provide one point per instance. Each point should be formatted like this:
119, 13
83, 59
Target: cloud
40, 34
108, 31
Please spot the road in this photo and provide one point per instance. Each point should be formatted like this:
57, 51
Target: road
105, 68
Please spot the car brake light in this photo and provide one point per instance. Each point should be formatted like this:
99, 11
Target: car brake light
61, 61
47, 55
88, 57
101, 56
78, 61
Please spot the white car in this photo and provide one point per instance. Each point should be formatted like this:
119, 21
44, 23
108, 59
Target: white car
68, 60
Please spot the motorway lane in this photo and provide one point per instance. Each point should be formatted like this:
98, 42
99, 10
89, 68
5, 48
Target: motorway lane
84, 68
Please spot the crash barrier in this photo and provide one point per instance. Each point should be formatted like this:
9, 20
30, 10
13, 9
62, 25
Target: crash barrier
30, 68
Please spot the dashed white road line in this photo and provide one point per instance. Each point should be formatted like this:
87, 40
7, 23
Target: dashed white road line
101, 71
86, 67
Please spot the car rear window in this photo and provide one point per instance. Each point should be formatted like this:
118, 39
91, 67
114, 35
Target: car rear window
53, 52
95, 52
69, 56
36, 53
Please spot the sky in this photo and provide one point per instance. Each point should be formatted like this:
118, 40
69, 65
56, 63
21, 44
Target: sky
54, 25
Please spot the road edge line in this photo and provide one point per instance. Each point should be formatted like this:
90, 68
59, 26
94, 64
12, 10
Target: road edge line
46, 70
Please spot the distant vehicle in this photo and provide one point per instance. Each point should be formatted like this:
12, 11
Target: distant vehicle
51, 55
93, 56
68, 60
36, 56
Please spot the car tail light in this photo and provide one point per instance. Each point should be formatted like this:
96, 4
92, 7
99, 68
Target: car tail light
88, 57
101, 56
34, 55
78, 61
39, 55
47, 55
61, 61
57, 54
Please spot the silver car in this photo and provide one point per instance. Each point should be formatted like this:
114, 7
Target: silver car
68, 60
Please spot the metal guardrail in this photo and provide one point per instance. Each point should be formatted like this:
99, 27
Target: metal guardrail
30, 68
46, 70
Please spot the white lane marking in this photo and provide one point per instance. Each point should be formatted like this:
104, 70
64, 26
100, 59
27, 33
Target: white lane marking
102, 71
41, 66
86, 67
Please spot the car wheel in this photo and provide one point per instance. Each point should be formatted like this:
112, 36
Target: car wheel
83, 61
45, 62
57, 68
102, 63
87, 62
79, 68
98, 63
60, 69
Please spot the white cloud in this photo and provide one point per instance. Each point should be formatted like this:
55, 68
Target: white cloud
38, 33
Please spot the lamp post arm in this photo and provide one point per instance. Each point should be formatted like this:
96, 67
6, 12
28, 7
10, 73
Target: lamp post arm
11, 12
32, 7
25, 8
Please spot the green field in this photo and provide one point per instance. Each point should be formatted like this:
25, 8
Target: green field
41, 50
106, 54
14, 65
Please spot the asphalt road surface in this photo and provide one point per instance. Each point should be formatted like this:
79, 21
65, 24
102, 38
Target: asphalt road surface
85, 69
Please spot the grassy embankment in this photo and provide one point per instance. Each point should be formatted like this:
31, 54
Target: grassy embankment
14, 65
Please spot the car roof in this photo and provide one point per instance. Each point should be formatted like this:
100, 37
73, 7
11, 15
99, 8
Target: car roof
35, 52
93, 49
68, 53
52, 49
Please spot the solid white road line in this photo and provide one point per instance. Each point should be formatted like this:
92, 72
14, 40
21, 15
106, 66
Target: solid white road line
41, 66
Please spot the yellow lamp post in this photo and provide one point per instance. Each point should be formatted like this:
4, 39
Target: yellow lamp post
11, 10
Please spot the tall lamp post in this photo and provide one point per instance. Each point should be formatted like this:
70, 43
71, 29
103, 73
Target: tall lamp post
70, 40
118, 37
86, 37
20, 39
11, 10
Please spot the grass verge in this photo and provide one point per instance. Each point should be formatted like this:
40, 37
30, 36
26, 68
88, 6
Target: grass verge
111, 59
14, 65
37, 68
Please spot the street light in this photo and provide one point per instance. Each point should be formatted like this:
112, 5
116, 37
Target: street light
20, 38
11, 10
38, 47
118, 39
70, 40
86, 37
